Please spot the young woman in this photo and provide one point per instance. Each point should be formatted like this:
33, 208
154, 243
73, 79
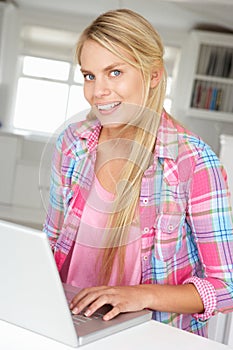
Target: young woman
139, 212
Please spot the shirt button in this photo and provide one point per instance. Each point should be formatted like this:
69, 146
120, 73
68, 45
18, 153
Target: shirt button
170, 227
145, 257
146, 229
145, 200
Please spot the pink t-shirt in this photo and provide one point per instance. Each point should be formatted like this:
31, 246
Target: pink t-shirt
84, 266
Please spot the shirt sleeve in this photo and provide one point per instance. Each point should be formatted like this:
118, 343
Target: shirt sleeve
208, 296
210, 219
55, 211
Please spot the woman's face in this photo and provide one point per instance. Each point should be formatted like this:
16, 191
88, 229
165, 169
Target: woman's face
109, 81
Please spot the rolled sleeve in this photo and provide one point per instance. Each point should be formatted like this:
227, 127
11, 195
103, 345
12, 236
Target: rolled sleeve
208, 296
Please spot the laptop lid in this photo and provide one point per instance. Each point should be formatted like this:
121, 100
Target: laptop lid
32, 295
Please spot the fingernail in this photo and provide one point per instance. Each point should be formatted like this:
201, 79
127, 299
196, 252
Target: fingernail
75, 311
106, 318
87, 312
71, 306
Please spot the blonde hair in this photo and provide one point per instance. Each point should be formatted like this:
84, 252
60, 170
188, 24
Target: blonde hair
124, 31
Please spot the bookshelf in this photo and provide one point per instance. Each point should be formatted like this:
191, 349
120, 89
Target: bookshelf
211, 83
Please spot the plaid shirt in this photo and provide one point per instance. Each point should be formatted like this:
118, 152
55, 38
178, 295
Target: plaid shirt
185, 214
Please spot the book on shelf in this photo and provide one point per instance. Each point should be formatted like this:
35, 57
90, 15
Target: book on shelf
220, 62
205, 52
207, 96
212, 63
218, 102
230, 64
213, 100
227, 64
231, 70
216, 61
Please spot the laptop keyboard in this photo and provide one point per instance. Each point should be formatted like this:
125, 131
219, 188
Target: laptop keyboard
81, 318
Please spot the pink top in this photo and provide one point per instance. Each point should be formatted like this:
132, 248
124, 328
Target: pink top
85, 265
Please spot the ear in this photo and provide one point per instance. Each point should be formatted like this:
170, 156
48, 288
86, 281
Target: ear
155, 78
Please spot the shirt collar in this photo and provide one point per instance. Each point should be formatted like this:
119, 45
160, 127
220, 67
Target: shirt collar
89, 130
166, 143
167, 138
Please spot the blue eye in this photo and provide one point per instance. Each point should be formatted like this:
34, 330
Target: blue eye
115, 73
89, 77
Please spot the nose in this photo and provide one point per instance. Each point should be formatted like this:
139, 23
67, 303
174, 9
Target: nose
101, 88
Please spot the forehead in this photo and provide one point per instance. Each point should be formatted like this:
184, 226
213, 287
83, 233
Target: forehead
94, 54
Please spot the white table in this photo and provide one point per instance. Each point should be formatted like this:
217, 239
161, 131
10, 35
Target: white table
150, 335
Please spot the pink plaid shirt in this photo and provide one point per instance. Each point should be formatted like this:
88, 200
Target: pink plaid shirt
185, 214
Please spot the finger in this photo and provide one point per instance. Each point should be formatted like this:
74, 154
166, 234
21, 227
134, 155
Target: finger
112, 313
82, 294
78, 297
85, 298
97, 304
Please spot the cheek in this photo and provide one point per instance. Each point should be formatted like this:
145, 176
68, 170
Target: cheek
130, 90
136, 89
87, 93
137, 94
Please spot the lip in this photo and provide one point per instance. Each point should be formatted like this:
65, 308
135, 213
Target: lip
108, 108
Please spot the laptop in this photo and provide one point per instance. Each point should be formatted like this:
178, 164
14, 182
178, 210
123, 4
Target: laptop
32, 295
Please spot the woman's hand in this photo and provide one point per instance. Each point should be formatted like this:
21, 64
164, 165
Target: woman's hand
123, 299
181, 299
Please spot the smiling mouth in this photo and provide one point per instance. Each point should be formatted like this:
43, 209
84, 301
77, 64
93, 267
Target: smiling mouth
108, 107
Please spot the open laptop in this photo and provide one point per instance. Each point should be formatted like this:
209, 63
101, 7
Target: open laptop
33, 297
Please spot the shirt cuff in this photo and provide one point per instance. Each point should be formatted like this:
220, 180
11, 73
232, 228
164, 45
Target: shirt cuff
208, 296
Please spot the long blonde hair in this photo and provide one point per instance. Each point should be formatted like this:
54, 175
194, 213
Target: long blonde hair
124, 31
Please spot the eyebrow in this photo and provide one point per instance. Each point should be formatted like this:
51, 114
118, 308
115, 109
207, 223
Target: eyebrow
110, 67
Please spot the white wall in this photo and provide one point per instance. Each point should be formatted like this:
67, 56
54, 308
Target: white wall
21, 190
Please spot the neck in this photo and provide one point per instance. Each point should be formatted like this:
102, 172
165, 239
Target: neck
124, 131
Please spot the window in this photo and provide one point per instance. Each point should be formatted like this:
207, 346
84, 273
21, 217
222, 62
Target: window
50, 87
48, 93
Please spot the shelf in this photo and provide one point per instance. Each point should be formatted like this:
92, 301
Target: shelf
214, 79
211, 115
210, 87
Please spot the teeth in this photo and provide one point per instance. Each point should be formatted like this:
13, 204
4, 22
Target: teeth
108, 106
